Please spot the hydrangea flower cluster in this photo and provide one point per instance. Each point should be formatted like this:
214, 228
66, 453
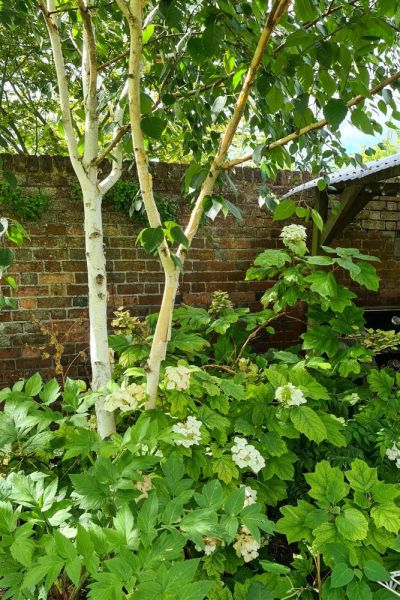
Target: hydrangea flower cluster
245, 455
177, 378
246, 546
210, 545
250, 496
190, 429
290, 395
129, 397
3, 226
294, 237
393, 453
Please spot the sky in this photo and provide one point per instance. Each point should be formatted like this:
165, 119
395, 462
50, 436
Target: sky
355, 140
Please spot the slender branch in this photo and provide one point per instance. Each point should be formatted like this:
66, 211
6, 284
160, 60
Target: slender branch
313, 126
89, 81
278, 9
116, 169
133, 15
58, 57
118, 135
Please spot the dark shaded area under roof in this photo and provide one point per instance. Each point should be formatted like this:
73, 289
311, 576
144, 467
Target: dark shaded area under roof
377, 170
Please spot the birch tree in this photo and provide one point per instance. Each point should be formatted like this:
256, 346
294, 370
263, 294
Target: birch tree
85, 162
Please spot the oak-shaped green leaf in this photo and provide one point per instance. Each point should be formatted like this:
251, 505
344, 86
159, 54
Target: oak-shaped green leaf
352, 524
292, 524
361, 477
387, 515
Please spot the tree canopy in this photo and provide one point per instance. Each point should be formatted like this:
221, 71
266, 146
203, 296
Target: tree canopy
322, 58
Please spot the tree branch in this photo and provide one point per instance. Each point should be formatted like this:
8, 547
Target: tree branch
313, 126
116, 169
58, 57
278, 9
133, 15
89, 84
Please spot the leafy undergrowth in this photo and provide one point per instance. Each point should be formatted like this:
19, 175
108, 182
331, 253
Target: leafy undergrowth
270, 476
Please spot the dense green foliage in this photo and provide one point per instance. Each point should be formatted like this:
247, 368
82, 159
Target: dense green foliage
26, 207
195, 57
267, 475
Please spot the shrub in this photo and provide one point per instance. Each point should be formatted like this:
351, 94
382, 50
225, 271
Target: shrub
271, 475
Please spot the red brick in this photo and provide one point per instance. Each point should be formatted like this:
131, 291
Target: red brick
56, 278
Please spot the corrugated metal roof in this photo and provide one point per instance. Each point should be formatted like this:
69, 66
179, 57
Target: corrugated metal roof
382, 166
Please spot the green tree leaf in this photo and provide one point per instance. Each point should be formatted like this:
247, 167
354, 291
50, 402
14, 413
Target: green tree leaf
375, 571
341, 575
306, 420
335, 112
352, 524
285, 209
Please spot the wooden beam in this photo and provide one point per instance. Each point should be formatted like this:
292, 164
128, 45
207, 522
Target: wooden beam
321, 206
383, 188
352, 200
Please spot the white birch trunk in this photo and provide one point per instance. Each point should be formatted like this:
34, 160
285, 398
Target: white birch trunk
97, 287
162, 335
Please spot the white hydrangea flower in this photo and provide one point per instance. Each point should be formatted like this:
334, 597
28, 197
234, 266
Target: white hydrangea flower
190, 429
393, 453
3, 226
245, 455
294, 237
210, 545
290, 395
246, 546
129, 397
177, 378
250, 495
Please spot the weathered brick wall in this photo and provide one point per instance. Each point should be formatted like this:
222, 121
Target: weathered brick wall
51, 271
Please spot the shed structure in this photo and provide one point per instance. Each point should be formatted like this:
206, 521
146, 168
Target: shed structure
352, 188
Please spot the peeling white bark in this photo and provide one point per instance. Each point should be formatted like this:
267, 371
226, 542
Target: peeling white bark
97, 284
86, 169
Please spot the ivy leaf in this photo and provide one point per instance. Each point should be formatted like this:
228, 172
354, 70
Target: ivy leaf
341, 575
307, 421
335, 112
352, 524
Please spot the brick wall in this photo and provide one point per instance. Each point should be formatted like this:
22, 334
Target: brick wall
51, 271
